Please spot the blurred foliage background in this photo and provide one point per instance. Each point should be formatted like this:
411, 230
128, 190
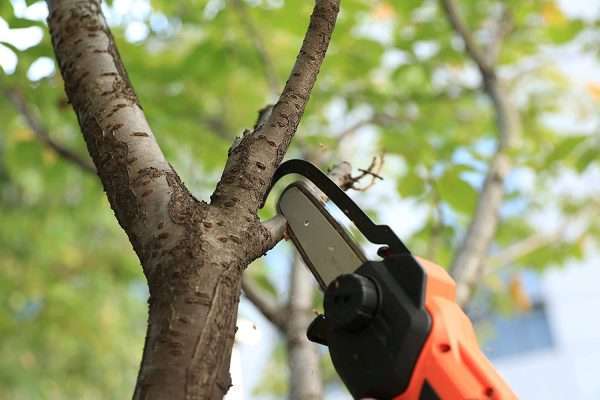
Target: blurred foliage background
396, 81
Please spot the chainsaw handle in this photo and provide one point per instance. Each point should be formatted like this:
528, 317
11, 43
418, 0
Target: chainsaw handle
451, 366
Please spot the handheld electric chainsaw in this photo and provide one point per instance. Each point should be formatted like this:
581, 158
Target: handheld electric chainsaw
392, 326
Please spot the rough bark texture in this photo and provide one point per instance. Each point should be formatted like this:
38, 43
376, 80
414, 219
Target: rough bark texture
469, 261
303, 355
192, 253
253, 161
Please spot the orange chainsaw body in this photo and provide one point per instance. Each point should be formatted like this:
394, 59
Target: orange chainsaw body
451, 362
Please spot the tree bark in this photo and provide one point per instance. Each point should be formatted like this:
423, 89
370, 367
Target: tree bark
192, 253
469, 261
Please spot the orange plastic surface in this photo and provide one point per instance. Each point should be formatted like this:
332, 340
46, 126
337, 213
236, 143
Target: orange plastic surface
451, 360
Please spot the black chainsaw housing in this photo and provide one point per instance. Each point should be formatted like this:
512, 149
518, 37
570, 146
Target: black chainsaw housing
375, 322
375, 325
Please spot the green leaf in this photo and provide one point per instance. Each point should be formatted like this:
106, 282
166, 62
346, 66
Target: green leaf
459, 194
258, 274
275, 377
562, 33
564, 148
411, 185
587, 158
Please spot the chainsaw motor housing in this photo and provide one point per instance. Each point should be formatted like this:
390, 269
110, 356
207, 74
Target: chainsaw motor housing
373, 327
393, 327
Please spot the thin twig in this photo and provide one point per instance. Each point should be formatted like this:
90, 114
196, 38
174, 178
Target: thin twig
468, 261
373, 171
471, 47
260, 152
17, 100
520, 249
266, 305
259, 45
503, 25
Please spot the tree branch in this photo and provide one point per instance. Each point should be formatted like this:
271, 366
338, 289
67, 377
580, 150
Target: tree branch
459, 26
503, 25
467, 264
192, 253
42, 134
520, 249
267, 306
116, 132
259, 45
252, 163
511, 254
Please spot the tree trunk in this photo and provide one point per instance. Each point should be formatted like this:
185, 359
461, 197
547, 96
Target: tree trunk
192, 253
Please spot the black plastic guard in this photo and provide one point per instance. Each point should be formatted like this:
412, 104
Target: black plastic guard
378, 234
378, 361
